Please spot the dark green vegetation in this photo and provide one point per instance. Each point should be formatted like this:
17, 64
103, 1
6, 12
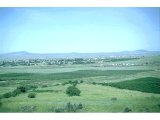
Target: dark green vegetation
31, 95
19, 90
28, 108
69, 108
119, 59
127, 109
74, 83
73, 91
67, 75
147, 84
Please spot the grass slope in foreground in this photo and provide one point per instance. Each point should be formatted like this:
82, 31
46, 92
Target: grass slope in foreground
147, 84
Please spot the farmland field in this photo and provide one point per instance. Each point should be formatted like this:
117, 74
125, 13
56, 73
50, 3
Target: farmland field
106, 85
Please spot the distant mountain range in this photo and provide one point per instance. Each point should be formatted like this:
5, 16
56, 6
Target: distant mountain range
25, 55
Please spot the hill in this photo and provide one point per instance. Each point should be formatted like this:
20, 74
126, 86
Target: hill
24, 54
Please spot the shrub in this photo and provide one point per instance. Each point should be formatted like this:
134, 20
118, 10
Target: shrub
23, 89
104, 84
127, 109
51, 109
1, 96
7, 95
80, 106
70, 82
28, 108
57, 84
0, 103
16, 92
59, 110
31, 87
73, 91
31, 95
114, 98
94, 83
12, 94
75, 83
81, 81
68, 108
64, 83
146, 109
73, 107
43, 86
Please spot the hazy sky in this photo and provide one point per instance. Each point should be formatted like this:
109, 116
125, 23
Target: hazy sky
63, 30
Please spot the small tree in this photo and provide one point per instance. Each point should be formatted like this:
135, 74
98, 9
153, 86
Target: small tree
23, 89
80, 106
94, 83
127, 109
16, 92
81, 81
0, 103
75, 83
31, 95
7, 95
73, 91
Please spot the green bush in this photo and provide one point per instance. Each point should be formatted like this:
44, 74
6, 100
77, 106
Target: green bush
43, 86
114, 98
73, 107
16, 92
7, 95
59, 110
81, 81
69, 82
31, 95
31, 87
19, 90
159, 105
73, 91
127, 109
146, 110
28, 108
68, 108
65, 83
1, 96
23, 89
57, 84
0, 103
80, 106
75, 83
93, 83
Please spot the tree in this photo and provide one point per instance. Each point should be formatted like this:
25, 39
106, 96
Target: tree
31, 95
73, 91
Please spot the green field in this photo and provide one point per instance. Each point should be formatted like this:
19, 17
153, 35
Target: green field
148, 84
104, 88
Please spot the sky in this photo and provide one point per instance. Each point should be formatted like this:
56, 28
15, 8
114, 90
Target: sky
83, 30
